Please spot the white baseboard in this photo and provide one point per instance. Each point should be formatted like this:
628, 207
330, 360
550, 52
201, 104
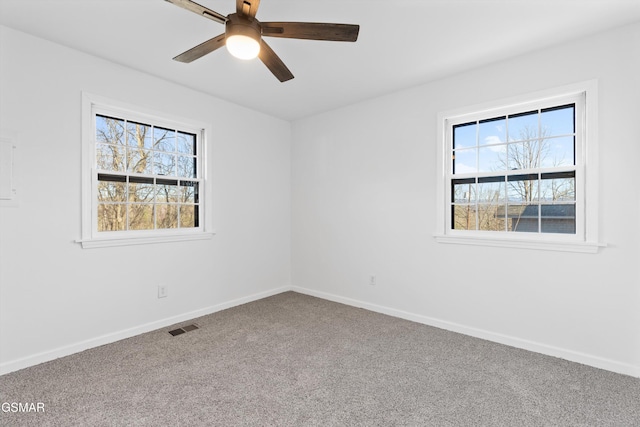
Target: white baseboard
573, 356
67, 350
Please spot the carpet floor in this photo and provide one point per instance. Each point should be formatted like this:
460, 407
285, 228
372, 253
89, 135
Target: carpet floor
296, 360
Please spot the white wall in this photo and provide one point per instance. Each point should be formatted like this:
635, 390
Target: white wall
363, 203
353, 194
57, 298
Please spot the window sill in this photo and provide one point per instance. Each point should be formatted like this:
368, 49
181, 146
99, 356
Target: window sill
128, 241
546, 244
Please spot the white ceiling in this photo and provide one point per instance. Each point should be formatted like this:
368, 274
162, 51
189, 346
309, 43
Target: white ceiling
402, 43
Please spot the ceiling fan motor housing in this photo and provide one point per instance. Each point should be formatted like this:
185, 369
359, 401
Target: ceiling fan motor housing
237, 25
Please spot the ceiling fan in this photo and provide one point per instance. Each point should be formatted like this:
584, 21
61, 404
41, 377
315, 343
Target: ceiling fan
243, 35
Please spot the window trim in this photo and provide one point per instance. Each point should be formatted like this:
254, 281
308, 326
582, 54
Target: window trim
585, 240
91, 238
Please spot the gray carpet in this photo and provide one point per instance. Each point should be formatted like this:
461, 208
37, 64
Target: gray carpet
295, 360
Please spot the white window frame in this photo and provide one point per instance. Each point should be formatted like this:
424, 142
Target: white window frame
91, 238
586, 169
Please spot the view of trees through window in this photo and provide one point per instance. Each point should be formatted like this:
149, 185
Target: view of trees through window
147, 176
515, 172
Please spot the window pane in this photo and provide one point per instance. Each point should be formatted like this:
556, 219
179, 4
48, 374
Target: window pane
109, 130
167, 191
464, 191
492, 131
164, 164
464, 161
465, 135
139, 160
139, 135
558, 187
557, 152
524, 155
141, 191
558, 121
164, 140
491, 217
110, 157
491, 192
167, 216
558, 219
492, 158
463, 217
141, 216
523, 126
112, 217
186, 143
186, 167
189, 192
110, 191
522, 218
522, 189
188, 216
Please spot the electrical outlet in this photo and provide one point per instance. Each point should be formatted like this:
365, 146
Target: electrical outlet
163, 291
372, 280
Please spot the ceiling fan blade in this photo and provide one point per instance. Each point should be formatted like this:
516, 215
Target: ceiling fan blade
311, 31
273, 62
201, 50
200, 10
247, 7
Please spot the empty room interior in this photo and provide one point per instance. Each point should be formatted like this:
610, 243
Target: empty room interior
419, 174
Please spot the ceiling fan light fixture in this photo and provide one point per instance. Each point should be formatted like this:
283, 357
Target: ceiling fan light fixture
243, 47
243, 36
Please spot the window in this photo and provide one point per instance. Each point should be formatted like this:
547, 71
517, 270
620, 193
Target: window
144, 177
513, 174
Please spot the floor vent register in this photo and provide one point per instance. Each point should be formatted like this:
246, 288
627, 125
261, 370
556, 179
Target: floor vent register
183, 329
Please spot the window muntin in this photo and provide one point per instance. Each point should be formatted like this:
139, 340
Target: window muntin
515, 172
147, 176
